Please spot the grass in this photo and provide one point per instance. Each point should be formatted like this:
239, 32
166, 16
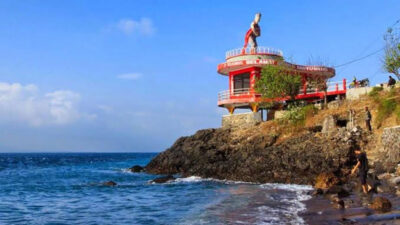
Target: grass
388, 105
296, 115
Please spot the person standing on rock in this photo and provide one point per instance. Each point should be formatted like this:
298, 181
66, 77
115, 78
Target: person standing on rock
368, 118
391, 82
362, 166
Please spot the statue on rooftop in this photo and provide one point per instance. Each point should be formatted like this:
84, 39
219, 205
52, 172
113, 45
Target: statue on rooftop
252, 34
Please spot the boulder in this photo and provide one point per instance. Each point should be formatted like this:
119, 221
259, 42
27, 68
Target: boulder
317, 191
110, 183
397, 170
136, 169
395, 180
163, 179
326, 180
339, 205
329, 124
338, 190
385, 176
381, 204
391, 145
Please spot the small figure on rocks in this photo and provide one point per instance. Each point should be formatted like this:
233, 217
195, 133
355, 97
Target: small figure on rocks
362, 166
368, 118
352, 115
391, 82
353, 84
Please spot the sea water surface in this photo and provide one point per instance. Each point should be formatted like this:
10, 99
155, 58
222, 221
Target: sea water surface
65, 188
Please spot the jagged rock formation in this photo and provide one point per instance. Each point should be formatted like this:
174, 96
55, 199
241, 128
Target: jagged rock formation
218, 153
391, 146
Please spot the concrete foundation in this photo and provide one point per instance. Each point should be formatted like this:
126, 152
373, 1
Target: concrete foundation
241, 120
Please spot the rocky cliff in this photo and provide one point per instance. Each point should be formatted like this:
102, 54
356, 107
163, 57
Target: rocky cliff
255, 155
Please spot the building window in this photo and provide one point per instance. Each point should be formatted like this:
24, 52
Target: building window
241, 82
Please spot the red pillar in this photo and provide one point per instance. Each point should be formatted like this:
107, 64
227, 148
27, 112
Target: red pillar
304, 82
230, 85
254, 75
344, 84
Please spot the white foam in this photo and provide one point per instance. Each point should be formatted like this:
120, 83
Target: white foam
191, 179
294, 205
195, 179
126, 170
290, 187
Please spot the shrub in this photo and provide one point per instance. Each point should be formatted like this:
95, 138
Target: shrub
397, 112
375, 91
296, 115
386, 107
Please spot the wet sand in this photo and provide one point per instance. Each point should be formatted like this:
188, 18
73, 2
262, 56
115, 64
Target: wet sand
320, 211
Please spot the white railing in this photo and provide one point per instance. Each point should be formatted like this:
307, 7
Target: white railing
228, 94
250, 51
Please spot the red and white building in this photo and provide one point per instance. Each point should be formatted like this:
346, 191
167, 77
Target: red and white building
243, 68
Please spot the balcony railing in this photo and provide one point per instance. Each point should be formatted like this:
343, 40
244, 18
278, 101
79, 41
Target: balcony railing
333, 88
228, 94
251, 51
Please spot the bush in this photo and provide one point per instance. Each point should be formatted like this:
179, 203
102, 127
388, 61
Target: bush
375, 91
296, 114
385, 109
397, 112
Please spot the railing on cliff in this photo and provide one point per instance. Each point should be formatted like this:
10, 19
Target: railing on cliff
252, 51
334, 88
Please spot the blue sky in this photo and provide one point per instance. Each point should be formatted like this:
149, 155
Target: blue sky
136, 75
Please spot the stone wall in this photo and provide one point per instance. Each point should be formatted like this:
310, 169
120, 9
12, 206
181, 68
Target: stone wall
355, 93
241, 120
391, 143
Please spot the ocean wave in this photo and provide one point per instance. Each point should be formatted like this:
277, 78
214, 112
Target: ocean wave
293, 205
196, 179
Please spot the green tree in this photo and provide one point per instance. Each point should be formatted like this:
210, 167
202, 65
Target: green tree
391, 59
277, 81
321, 84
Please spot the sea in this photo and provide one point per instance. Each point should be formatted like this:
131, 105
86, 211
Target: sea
66, 188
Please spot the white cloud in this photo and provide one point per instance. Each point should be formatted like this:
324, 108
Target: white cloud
19, 103
130, 76
105, 108
144, 26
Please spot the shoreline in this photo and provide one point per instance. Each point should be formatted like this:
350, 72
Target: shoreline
320, 210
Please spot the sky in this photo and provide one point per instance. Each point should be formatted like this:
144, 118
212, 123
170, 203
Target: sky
133, 76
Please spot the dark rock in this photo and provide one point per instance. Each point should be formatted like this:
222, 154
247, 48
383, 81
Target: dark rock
381, 204
110, 183
315, 129
218, 153
163, 179
339, 190
317, 191
326, 180
136, 169
339, 204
